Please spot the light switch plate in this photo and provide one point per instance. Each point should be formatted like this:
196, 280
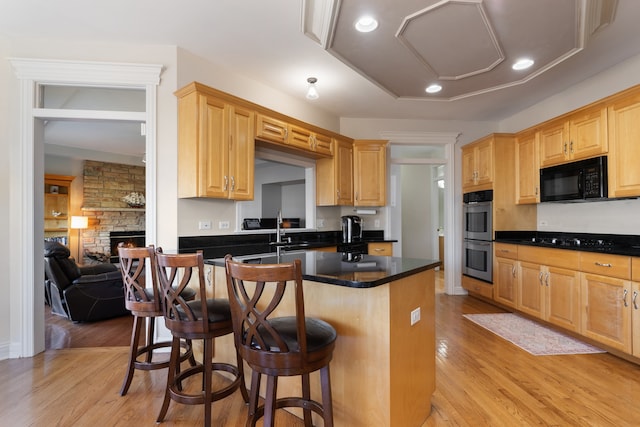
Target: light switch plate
204, 225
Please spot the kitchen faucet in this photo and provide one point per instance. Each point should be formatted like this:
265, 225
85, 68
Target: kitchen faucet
279, 229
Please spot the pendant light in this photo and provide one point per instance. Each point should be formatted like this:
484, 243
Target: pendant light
312, 91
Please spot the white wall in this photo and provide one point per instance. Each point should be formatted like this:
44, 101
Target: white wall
6, 149
613, 217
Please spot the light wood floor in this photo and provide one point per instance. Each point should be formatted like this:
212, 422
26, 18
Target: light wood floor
482, 380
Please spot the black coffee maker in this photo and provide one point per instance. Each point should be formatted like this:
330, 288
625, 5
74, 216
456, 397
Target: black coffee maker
351, 229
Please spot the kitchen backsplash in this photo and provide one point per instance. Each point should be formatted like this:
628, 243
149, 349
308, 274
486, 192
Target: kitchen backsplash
613, 217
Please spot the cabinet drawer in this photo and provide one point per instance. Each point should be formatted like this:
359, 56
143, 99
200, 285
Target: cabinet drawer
548, 256
606, 264
380, 248
505, 250
477, 287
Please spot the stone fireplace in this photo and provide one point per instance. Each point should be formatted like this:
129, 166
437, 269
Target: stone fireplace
104, 186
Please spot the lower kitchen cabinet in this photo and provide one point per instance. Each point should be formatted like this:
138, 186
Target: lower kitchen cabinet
606, 302
635, 317
505, 281
549, 292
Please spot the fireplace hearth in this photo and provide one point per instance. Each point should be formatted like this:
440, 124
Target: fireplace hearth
128, 238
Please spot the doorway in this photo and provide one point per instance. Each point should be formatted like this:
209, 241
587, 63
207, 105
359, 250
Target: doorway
27, 217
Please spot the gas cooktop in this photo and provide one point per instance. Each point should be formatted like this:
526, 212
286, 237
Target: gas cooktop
612, 243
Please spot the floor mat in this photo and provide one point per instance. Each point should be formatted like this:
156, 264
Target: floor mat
531, 336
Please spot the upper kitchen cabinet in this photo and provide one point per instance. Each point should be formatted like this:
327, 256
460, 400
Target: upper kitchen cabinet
579, 135
215, 146
334, 176
288, 135
477, 165
370, 172
624, 149
527, 169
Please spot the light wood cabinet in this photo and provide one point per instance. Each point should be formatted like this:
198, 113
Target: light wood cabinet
505, 280
477, 287
477, 165
215, 147
57, 204
334, 176
291, 135
579, 135
527, 168
635, 318
550, 291
380, 248
370, 172
624, 149
607, 310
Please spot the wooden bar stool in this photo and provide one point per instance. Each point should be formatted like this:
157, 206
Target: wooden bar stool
145, 304
203, 319
278, 346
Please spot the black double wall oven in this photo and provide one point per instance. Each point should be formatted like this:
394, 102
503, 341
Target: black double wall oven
477, 248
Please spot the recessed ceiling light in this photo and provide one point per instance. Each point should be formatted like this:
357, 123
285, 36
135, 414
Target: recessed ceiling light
522, 64
366, 24
434, 88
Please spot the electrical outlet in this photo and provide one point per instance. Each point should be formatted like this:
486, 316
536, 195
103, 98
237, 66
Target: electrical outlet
204, 225
376, 223
223, 225
415, 316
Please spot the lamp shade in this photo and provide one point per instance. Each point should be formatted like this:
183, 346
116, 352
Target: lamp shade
79, 222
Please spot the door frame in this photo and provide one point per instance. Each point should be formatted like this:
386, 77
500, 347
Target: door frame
451, 231
26, 218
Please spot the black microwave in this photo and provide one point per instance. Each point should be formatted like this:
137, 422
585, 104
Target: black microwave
583, 180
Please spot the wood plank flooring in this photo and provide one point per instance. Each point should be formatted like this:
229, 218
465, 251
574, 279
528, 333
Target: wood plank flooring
482, 380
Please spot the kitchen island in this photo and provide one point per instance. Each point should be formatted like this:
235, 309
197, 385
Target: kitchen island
383, 370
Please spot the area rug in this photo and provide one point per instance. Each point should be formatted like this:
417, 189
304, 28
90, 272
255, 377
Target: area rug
531, 336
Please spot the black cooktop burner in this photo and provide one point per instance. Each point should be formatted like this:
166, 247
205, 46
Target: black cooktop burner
575, 242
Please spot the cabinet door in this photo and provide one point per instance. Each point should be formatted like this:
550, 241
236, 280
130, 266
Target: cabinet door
588, 133
370, 172
563, 298
527, 169
635, 315
241, 153
270, 129
322, 144
531, 289
606, 315
334, 176
484, 162
505, 272
213, 155
624, 150
468, 168
553, 140
299, 137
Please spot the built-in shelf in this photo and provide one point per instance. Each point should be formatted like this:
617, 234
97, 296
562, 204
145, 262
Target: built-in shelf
114, 209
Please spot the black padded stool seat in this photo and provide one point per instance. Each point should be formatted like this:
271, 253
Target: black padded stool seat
145, 304
278, 346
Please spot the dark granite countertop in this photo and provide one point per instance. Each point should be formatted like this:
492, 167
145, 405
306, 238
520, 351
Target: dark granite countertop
367, 271
616, 244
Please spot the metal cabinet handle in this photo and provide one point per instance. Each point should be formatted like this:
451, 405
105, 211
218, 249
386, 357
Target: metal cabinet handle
546, 279
599, 264
565, 148
624, 297
513, 271
286, 134
233, 184
540, 278
635, 297
571, 147
226, 183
